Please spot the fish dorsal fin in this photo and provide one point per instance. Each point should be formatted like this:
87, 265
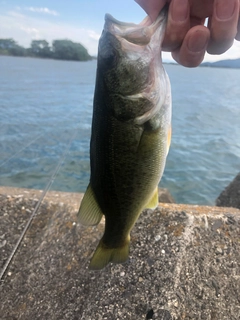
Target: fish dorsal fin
89, 213
153, 201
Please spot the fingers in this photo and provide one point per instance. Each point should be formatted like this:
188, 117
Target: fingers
192, 50
177, 25
223, 25
238, 32
201, 8
185, 34
152, 7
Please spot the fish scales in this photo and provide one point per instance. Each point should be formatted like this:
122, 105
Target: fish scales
131, 132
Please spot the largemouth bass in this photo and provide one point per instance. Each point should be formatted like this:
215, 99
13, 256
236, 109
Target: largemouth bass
131, 133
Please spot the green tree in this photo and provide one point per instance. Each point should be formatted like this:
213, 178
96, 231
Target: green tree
61, 49
10, 47
69, 50
7, 43
40, 48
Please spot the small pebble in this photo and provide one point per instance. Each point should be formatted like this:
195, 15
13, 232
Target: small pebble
122, 274
175, 303
218, 250
2, 244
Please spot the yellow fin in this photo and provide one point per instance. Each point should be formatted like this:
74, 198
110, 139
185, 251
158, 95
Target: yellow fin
103, 255
89, 213
169, 138
153, 202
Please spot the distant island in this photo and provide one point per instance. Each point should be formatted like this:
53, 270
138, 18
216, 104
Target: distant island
230, 63
60, 49
223, 64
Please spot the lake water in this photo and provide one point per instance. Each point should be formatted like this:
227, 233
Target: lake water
44, 102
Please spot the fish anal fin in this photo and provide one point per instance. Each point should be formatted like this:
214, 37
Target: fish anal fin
153, 201
89, 213
104, 255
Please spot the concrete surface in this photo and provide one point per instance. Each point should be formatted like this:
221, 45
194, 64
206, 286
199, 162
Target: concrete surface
184, 264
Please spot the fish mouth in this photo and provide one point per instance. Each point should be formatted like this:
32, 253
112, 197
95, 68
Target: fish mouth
138, 34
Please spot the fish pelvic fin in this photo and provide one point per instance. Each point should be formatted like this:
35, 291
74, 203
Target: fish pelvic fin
153, 201
104, 255
89, 213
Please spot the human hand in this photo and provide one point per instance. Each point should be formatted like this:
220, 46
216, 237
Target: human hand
186, 37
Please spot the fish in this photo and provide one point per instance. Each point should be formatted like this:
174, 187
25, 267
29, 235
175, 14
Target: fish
131, 133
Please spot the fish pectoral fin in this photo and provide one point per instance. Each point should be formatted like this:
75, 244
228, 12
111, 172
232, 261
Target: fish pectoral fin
169, 136
103, 255
153, 202
89, 213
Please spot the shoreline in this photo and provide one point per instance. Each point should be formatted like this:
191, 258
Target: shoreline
72, 200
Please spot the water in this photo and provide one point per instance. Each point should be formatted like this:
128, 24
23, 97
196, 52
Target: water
43, 102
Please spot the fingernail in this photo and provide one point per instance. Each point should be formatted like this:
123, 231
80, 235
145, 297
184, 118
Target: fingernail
225, 9
198, 43
180, 10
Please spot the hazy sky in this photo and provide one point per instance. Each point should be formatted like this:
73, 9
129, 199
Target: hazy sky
78, 20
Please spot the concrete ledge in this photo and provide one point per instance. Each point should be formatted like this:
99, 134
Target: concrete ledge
184, 264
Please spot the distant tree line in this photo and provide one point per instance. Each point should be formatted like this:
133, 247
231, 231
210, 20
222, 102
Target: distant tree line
60, 49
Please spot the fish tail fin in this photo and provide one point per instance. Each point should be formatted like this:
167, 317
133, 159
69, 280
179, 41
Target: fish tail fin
103, 255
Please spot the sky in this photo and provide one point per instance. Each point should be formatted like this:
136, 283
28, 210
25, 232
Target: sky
77, 20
